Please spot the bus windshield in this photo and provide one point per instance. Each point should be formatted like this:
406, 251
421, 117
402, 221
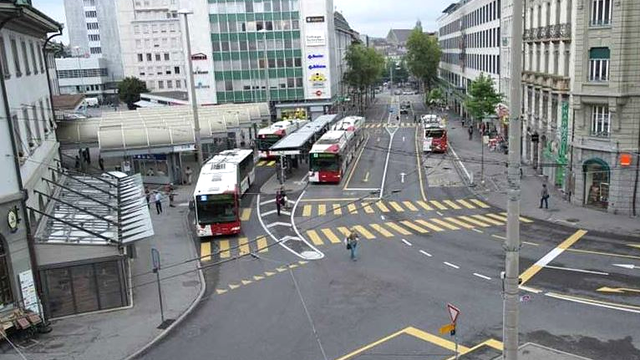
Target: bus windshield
324, 162
214, 209
264, 144
437, 134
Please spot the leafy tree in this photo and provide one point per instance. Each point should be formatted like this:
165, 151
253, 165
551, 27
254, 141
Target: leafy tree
129, 90
365, 67
423, 57
483, 97
435, 96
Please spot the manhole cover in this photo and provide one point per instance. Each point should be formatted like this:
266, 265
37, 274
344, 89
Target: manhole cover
573, 220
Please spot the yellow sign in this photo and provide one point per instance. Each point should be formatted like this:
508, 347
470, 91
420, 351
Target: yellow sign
447, 328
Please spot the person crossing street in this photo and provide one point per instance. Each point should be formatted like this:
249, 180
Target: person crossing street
352, 244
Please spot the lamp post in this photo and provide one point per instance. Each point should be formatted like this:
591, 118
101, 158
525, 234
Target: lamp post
192, 88
266, 74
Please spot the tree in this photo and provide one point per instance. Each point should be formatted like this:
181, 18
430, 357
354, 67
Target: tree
129, 90
435, 97
483, 97
365, 67
423, 57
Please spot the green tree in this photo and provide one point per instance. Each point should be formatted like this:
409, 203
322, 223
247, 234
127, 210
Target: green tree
435, 97
483, 97
395, 69
129, 90
423, 57
365, 67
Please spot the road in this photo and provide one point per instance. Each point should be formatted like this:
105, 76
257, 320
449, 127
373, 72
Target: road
425, 244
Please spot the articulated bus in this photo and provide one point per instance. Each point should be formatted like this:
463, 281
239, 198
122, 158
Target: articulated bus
335, 150
434, 134
268, 136
222, 182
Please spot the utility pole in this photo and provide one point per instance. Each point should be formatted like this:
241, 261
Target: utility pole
266, 74
192, 89
512, 244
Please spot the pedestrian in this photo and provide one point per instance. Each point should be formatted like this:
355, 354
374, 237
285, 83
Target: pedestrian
101, 162
147, 194
352, 244
415, 118
278, 201
471, 132
77, 165
88, 155
283, 198
158, 198
169, 190
544, 197
189, 174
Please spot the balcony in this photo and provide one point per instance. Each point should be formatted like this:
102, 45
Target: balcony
554, 32
546, 81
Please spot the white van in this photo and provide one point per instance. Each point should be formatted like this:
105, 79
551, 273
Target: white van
91, 102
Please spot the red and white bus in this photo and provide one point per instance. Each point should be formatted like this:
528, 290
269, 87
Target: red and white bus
333, 152
434, 137
222, 182
268, 136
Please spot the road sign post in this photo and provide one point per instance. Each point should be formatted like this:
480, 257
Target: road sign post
454, 312
155, 257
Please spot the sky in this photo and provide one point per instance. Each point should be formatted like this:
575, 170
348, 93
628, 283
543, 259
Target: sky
371, 17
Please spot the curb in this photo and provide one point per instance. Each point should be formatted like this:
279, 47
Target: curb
182, 316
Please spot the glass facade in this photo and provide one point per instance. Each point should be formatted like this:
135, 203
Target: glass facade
239, 32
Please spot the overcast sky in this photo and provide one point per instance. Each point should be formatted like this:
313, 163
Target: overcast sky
371, 17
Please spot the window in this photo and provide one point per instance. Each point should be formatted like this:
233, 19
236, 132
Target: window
158, 57
5, 67
176, 70
178, 84
94, 37
149, 57
96, 50
166, 56
6, 297
141, 71
33, 57
169, 84
92, 26
599, 64
601, 12
26, 58
160, 84
140, 57
600, 121
90, 14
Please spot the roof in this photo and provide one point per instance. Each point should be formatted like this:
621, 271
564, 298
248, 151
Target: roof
302, 137
399, 35
176, 95
67, 102
31, 17
221, 170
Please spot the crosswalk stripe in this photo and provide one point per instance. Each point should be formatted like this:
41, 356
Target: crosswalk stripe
410, 206
396, 206
364, 232
315, 238
262, 245
488, 220
382, 207
344, 231
244, 246
381, 230
429, 225
331, 236
453, 205
246, 214
424, 205
473, 221
322, 209
271, 163
306, 210
459, 223
398, 228
352, 208
205, 251
438, 205
523, 219
380, 125
445, 224
466, 204
480, 203
336, 209
497, 217
367, 208
224, 249
414, 227
262, 163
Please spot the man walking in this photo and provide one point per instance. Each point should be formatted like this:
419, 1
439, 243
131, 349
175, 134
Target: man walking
544, 197
101, 162
352, 244
189, 174
471, 132
169, 190
278, 201
147, 195
158, 198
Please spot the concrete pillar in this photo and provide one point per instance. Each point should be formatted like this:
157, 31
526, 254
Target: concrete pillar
561, 59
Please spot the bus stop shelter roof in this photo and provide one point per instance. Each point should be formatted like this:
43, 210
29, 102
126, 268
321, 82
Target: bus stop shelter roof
298, 140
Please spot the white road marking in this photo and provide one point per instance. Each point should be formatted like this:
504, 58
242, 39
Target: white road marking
275, 211
425, 253
576, 270
382, 217
407, 243
588, 302
626, 266
482, 276
529, 289
267, 202
183, 204
279, 224
452, 265
439, 213
403, 139
477, 230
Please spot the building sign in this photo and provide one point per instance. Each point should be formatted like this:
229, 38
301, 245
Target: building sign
183, 148
199, 56
317, 66
28, 290
315, 56
315, 50
315, 40
315, 19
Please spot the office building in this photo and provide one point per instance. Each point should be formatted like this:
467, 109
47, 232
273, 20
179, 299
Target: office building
89, 76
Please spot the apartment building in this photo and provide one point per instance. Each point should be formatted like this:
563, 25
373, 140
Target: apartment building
89, 76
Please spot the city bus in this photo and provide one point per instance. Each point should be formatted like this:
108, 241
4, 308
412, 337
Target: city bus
434, 134
222, 182
268, 136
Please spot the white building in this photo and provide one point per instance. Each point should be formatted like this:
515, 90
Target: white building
89, 76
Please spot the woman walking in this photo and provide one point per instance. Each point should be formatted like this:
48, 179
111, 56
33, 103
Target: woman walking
352, 244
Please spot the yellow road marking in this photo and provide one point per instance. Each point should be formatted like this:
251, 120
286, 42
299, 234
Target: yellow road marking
355, 165
373, 344
453, 205
269, 273
466, 204
637, 246
488, 220
315, 238
409, 206
262, 244
331, 236
497, 217
322, 210
604, 254
606, 289
419, 165
344, 231
205, 251
438, 205
523, 219
246, 282
352, 208
396, 206
473, 221
246, 214
540, 264
492, 343
293, 266
381, 230
480, 203
414, 227
258, 278
459, 223
337, 210
244, 246
364, 232
382, 207
443, 343
424, 205
498, 237
431, 226
271, 163
220, 291
224, 249
262, 163
306, 211
367, 208
398, 228
233, 286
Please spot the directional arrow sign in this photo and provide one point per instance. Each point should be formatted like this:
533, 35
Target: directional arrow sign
453, 313
618, 290
627, 266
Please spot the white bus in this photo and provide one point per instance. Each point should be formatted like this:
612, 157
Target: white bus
222, 182
268, 136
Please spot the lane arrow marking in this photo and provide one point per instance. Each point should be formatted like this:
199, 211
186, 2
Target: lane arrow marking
626, 266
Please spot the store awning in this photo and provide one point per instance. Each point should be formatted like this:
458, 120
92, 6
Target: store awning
146, 104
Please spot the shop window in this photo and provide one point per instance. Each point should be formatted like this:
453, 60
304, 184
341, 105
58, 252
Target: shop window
596, 180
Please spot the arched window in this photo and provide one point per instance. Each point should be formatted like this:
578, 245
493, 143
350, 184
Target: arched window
5, 279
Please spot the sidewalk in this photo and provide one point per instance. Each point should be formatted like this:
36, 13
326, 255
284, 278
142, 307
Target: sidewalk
119, 334
494, 189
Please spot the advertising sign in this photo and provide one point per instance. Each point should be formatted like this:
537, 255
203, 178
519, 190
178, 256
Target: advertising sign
315, 39
28, 290
315, 53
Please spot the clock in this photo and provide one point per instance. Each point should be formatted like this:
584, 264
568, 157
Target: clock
13, 220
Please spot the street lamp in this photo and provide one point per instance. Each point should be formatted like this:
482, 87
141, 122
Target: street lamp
192, 87
266, 74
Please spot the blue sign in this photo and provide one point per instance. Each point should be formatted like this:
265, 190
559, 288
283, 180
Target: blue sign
315, 56
311, 67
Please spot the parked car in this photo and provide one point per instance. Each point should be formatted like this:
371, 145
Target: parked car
398, 92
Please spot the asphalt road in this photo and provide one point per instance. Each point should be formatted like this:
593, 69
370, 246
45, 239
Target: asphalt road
424, 251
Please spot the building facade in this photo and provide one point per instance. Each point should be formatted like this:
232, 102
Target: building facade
79, 75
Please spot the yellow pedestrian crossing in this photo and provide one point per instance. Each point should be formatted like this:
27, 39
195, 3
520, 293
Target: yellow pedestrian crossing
322, 209
239, 246
364, 232
315, 238
444, 224
352, 209
381, 230
306, 211
224, 249
459, 223
397, 228
473, 221
244, 246
465, 203
262, 245
344, 231
488, 220
205, 251
331, 236
396, 206
497, 217
382, 207
480, 203
337, 210
367, 208
414, 227
429, 225
267, 163
246, 214
438, 205
523, 219
409, 205
424, 205
451, 204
